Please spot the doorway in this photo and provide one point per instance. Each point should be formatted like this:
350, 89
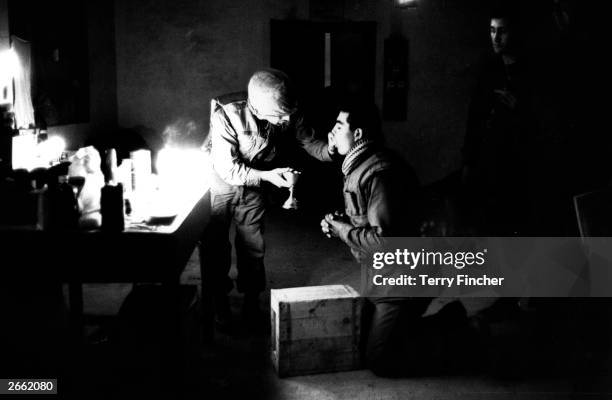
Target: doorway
325, 59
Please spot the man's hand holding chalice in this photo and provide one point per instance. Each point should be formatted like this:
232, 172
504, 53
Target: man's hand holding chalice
291, 176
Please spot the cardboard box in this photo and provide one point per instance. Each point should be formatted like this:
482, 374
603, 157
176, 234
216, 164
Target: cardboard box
315, 329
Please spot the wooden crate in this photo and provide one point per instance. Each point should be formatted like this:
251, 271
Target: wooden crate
315, 329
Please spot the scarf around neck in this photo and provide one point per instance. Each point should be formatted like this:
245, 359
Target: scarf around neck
357, 153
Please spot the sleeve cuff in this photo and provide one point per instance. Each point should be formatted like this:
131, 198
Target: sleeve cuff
253, 178
344, 233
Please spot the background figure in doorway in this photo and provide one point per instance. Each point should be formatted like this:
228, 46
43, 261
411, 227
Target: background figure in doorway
500, 149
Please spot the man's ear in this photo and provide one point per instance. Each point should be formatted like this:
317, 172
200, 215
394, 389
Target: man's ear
358, 134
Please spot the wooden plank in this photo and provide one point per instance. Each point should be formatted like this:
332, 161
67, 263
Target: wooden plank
310, 293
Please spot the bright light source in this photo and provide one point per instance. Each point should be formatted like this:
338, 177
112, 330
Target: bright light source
406, 3
51, 149
182, 174
181, 167
24, 152
9, 65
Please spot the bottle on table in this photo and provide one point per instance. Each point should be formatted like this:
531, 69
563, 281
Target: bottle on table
111, 201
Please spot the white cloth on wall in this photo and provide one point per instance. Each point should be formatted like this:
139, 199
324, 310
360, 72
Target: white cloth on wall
23, 108
7, 61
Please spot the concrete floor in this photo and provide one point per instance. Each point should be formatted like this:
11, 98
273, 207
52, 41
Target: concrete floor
238, 366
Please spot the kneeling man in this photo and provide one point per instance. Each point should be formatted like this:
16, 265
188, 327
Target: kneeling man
381, 196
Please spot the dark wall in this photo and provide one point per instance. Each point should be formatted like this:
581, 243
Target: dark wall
102, 77
155, 64
102, 64
446, 40
172, 57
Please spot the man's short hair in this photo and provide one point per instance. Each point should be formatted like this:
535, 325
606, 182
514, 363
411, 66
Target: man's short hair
362, 114
272, 85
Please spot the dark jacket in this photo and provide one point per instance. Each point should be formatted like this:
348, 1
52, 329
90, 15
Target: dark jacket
382, 199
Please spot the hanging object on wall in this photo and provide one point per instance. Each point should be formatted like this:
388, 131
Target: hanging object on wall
24, 111
395, 78
9, 67
58, 56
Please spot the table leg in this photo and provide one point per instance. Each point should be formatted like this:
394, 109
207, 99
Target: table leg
173, 357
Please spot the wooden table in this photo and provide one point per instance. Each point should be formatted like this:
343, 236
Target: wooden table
141, 253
